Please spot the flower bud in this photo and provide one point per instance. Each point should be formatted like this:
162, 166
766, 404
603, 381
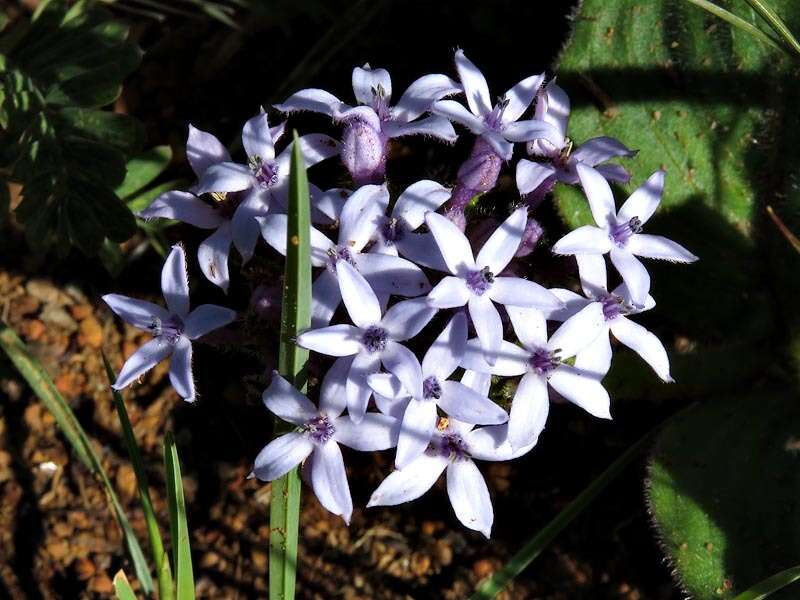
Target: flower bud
364, 152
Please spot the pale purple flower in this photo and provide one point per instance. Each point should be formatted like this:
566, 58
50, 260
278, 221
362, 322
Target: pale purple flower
248, 191
497, 127
619, 233
497, 124
453, 447
173, 327
370, 125
396, 234
541, 362
359, 221
318, 435
559, 156
617, 307
372, 341
428, 387
476, 281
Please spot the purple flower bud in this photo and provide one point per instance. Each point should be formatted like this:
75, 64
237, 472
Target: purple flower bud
364, 152
477, 175
530, 237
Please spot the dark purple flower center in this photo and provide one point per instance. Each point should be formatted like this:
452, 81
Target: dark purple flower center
480, 281
319, 429
265, 172
380, 103
613, 306
494, 120
375, 338
170, 329
544, 362
621, 232
391, 230
449, 445
337, 253
431, 388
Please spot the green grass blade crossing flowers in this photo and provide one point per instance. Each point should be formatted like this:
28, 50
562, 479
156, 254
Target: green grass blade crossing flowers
292, 364
45, 389
163, 571
179, 529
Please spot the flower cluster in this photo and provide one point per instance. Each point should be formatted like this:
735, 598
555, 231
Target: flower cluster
401, 267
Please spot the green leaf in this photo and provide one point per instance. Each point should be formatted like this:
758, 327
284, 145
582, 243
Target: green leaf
179, 530
292, 364
68, 155
46, 391
163, 572
723, 492
142, 170
778, 25
122, 587
770, 585
142, 200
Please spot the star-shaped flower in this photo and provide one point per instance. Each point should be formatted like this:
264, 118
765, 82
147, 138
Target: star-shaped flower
617, 307
427, 388
370, 125
541, 362
372, 340
173, 328
318, 435
475, 281
552, 106
359, 221
620, 233
499, 125
453, 447
247, 191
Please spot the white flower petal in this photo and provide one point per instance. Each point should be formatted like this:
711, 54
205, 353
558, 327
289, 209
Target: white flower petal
287, 402
175, 283
470, 496
600, 149
520, 97
357, 389
450, 292
274, 229
281, 455
334, 340
409, 483
578, 331
417, 200
185, 207
525, 131
593, 274
361, 216
501, 246
392, 275
633, 273
406, 319
554, 107
488, 326
529, 411
587, 239
598, 192
203, 150
416, 430
421, 94
360, 301
530, 326
445, 354
511, 360
138, 313
374, 432
658, 247
475, 88
312, 99
422, 249
457, 113
332, 398
469, 406
325, 299
212, 255
206, 318
388, 386
401, 362
329, 480
141, 361
513, 291
257, 138
224, 177
180, 369
530, 175
367, 81
452, 242
644, 343
595, 359
581, 389
434, 126
643, 202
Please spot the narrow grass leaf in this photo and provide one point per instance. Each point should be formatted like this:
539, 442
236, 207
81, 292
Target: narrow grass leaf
163, 572
778, 25
738, 22
122, 587
771, 584
292, 364
179, 529
45, 389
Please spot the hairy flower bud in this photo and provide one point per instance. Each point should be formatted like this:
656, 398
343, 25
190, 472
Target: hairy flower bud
364, 152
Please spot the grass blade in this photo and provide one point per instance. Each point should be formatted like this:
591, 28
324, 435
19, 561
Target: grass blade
45, 389
495, 584
292, 364
774, 20
738, 22
771, 584
122, 587
179, 529
163, 572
